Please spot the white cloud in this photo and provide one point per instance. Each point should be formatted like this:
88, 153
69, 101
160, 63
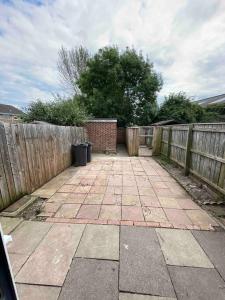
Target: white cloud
185, 39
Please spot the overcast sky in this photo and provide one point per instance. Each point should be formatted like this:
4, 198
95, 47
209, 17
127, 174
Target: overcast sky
185, 39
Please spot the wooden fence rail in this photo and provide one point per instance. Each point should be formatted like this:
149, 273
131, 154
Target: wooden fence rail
199, 149
30, 155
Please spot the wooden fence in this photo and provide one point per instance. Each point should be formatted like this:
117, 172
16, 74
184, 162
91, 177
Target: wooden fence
199, 149
30, 155
146, 135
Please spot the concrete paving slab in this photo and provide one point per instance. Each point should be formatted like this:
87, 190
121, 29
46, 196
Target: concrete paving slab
99, 241
27, 236
180, 248
110, 212
150, 201
91, 279
9, 224
94, 199
47, 190
37, 292
127, 296
142, 266
197, 283
17, 261
213, 243
89, 212
67, 211
177, 216
132, 213
168, 202
154, 214
52, 257
131, 200
200, 217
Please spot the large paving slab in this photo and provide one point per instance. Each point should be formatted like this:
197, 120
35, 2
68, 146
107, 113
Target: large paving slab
37, 292
17, 261
128, 296
51, 187
9, 224
213, 244
181, 248
197, 283
91, 279
142, 266
99, 241
53, 256
27, 236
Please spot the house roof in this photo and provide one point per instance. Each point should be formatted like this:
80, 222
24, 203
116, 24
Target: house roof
165, 122
6, 109
212, 100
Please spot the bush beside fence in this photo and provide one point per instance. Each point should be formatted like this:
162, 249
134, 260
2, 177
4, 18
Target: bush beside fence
30, 155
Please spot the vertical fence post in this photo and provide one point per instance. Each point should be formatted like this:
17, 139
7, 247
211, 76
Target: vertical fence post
188, 150
157, 140
169, 141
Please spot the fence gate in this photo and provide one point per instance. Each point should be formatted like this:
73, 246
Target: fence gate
146, 136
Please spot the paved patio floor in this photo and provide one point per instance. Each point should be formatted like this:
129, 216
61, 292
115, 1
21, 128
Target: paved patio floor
126, 191
119, 229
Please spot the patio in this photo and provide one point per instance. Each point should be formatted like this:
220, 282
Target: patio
126, 191
81, 252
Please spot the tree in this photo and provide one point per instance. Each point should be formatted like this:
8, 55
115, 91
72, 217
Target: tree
66, 112
180, 108
71, 64
120, 85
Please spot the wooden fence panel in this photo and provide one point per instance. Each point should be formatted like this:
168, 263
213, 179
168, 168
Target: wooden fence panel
199, 148
30, 155
132, 140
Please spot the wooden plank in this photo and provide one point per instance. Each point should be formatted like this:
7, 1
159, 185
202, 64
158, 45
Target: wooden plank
188, 150
7, 166
169, 142
222, 172
157, 141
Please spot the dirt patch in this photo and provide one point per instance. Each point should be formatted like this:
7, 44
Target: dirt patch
31, 212
201, 193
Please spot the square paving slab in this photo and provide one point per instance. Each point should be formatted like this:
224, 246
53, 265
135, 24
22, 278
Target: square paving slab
142, 266
17, 261
213, 243
180, 248
9, 224
35, 292
90, 279
197, 283
99, 241
52, 257
27, 237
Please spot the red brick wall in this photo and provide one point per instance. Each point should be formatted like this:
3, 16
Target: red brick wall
103, 135
121, 135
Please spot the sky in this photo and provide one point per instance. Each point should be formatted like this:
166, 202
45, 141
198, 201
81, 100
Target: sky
185, 39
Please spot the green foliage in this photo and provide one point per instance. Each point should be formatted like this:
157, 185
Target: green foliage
217, 111
180, 108
120, 85
66, 112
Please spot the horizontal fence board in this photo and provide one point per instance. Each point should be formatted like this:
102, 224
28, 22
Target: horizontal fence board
32, 154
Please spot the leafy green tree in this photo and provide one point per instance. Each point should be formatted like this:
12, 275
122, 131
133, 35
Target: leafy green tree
120, 85
66, 112
181, 109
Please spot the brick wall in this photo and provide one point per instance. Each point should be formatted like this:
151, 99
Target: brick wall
103, 135
121, 135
